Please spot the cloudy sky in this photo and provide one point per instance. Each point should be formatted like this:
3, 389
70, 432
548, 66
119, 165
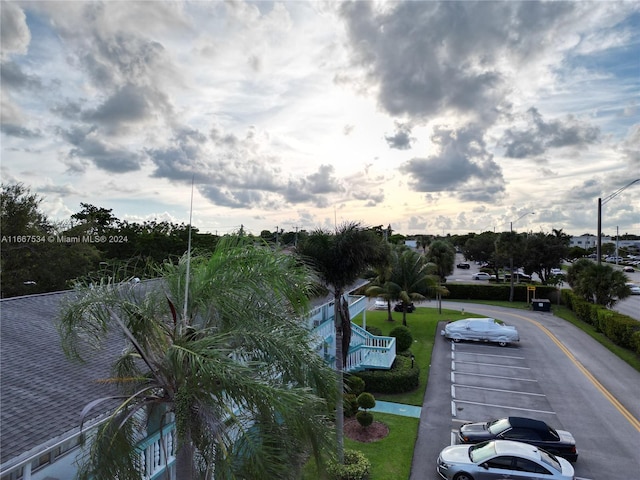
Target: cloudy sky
431, 117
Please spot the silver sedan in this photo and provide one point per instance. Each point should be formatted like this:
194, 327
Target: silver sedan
500, 459
481, 330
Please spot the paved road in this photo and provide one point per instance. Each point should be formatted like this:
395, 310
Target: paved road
629, 306
556, 373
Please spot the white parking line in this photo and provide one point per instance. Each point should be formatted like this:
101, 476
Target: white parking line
492, 365
503, 406
496, 390
493, 376
490, 355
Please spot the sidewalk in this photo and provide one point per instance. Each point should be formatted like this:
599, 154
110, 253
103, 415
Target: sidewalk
397, 409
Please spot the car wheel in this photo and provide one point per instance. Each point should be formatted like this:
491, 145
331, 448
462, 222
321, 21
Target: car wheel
503, 343
462, 476
456, 339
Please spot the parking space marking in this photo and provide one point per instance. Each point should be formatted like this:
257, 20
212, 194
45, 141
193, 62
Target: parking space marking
490, 355
453, 377
500, 390
490, 365
500, 406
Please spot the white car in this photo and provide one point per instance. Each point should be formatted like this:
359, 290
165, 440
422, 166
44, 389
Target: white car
557, 271
501, 459
380, 304
481, 330
635, 289
481, 276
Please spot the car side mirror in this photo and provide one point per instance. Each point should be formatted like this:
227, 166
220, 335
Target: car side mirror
485, 465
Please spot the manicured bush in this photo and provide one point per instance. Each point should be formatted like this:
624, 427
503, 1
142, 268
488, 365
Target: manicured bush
350, 403
496, 291
403, 337
364, 418
620, 329
355, 385
399, 379
373, 330
356, 467
366, 401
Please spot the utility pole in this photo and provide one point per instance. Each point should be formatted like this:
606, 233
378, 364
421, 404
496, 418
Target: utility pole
600, 203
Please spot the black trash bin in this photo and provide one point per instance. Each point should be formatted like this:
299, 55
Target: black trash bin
541, 304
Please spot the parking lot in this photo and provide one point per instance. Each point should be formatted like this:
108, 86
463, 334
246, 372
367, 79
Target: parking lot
537, 378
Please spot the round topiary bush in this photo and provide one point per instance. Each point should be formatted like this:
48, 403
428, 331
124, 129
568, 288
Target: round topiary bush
366, 401
403, 336
364, 418
356, 467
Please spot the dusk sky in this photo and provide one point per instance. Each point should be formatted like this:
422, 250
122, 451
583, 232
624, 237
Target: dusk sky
431, 117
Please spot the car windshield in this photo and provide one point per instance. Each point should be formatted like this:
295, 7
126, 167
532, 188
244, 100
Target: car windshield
498, 426
550, 460
482, 452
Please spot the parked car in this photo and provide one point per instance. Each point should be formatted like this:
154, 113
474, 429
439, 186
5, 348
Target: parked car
635, 289
481, 330
501, 459
380, 304
521, 429
628, 269
518, 277
557, 271
465, 266
399, 307
481, 276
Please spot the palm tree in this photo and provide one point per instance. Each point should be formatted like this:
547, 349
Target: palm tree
340, 258
409, 280
236, 373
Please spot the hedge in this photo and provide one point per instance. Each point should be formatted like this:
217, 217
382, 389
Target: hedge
494, 291
620, 329
399, 379
356, 467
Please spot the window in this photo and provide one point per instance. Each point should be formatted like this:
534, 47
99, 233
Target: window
501, 462
525, 465
522, 433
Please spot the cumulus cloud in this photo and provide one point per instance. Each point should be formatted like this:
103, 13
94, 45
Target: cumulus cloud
402, 138
14, 32
539, 135
462, 166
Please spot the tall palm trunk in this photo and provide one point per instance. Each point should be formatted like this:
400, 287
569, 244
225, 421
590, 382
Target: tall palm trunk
337, 319
184, 460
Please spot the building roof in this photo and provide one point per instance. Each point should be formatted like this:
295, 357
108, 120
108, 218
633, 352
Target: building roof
42, 393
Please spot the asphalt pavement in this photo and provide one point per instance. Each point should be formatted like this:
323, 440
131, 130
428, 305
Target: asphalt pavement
556, 373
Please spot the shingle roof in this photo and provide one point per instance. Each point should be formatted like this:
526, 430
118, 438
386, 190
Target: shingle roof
42, 393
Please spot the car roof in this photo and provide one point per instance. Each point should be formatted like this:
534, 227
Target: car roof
509, 447
522, 422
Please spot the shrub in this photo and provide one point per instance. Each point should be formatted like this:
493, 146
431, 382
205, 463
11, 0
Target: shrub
373, 330
356, 467
403, 337
366, 401
399, 379
355, 385
350, 402
364, 418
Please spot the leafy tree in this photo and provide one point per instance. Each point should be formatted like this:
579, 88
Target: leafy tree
443, 255
34, 256
230, 362
481, 248
340, 258
600, 284
544, 252
96, 220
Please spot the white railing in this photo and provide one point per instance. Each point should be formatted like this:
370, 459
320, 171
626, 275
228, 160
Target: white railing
157, 452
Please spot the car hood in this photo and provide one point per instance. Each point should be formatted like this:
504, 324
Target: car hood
567, 468
455, 454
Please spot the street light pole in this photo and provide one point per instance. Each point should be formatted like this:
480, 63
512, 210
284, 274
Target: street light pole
600, 203
511, 256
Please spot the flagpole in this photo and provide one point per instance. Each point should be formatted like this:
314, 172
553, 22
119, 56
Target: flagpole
186, 283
